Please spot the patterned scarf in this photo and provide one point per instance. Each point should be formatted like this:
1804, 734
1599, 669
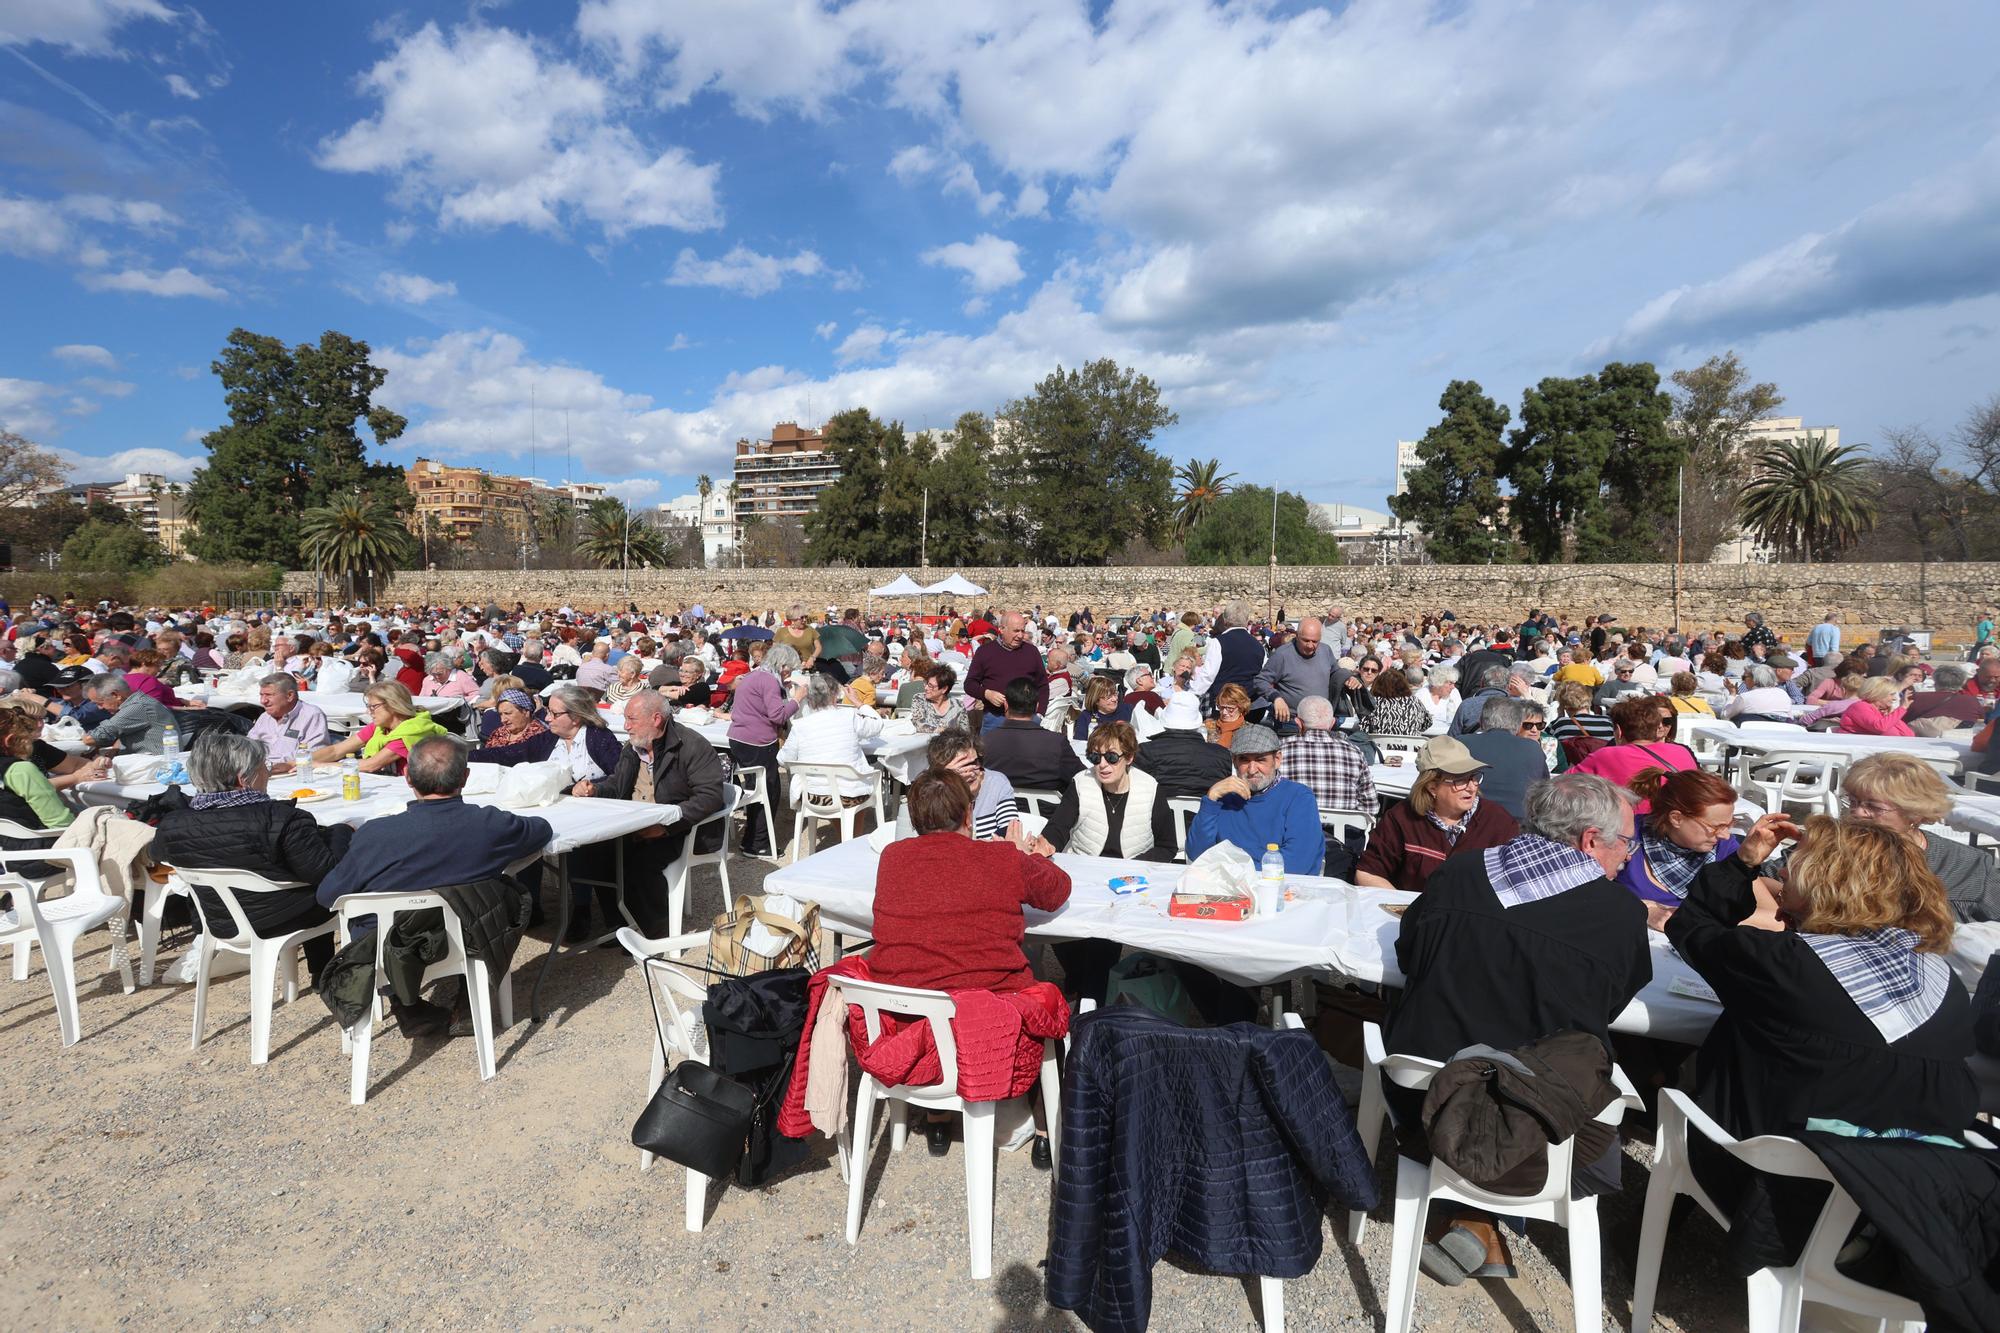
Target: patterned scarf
222, 800
1673, 865
1453, 832
1882, 972
1531, 868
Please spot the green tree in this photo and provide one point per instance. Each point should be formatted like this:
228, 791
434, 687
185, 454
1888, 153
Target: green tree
1714, 406
1555, 462
1200, 484
962, 509
1642, 469
1087, 478
1807, 498
111, 547
615, 538
292, 444
354, 537
845, 525
1453, 494
1237, 531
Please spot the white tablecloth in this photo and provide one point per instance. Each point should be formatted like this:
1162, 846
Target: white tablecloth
1833, 743
346, 706
902, 757
576, 821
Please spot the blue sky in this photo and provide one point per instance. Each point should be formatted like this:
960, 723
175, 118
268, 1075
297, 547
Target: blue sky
670, 223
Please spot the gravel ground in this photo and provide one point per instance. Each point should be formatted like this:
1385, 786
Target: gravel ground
149, 1184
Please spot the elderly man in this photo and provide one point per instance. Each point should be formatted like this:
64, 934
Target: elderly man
38, 664
1511, 944
1297, 670
533, 676
288, 722
111, 655
596, 671
1491, 682
1513, 762
1330, 766
666, 765
138, 722
1001, 661
1824, 641
1948, 700
1254, 808
1233, 656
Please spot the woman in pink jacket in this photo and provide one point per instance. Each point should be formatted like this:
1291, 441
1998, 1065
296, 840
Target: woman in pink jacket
1877, 709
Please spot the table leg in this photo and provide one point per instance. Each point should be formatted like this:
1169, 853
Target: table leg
535, 1014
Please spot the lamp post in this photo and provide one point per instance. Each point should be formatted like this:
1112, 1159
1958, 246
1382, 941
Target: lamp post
1271, 609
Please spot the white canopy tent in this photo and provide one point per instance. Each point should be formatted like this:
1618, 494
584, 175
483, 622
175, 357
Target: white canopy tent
902, 586
955, 586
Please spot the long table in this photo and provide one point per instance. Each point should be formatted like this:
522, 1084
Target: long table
346, 706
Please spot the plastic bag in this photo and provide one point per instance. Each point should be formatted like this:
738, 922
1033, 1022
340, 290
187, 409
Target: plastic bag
135, 768
67, 735
526, 785
1223, 871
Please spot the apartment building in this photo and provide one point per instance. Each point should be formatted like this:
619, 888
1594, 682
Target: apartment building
782, 477
458, 501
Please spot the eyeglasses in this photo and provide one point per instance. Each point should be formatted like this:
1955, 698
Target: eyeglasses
1867, 809
1369, 669
1713, 830
1462, 779
1533, 726
1104, 756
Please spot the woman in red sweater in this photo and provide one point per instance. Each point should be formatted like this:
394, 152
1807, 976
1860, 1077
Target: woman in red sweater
948, 908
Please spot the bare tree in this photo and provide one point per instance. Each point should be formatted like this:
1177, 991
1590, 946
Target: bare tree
1714, 406
26, 470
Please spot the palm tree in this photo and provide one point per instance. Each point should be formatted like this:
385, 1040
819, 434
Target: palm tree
704, 485
1200, 488
354, 536
613, 537
1808, 498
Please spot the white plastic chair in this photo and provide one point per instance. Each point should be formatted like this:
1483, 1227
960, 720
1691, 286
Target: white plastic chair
679, 1026
750, 795
1036, 798
1775, 1294
1340, 822
1779, 780
1060, 713
1709, 753
936, 1007
816, 793
1184, 808
682, 870
269, 957
15, 928
385, 908
59, 923
152, 923
1390, 743
1417, 1186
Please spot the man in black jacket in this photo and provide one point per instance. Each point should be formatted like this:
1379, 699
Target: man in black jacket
1509, 945
1028, 753
664, 764
1181, 758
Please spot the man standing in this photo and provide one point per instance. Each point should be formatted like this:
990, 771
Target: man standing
1337, 637
1254, 807
664, 764
288, 722
1297, 670
1001, 661
1824, 640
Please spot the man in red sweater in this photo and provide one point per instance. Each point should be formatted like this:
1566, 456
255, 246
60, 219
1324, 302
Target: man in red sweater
1009, 656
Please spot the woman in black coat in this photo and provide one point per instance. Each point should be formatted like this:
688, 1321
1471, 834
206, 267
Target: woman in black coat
233, 824
1838, 1008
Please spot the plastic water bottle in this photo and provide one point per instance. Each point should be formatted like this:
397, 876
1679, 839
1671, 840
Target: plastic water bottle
305, 764
1271, 882
170, 744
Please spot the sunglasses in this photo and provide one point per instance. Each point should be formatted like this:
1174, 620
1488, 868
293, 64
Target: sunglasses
1104, 756
1463, 780
1533, 726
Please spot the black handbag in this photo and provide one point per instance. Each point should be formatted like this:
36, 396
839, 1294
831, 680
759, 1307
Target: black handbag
698, 1118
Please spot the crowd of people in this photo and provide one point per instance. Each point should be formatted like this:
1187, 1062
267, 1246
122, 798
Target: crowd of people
1552, 817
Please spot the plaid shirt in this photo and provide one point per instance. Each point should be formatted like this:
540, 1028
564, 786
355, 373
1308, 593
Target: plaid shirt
1331, 768
1882, 972
1531, 868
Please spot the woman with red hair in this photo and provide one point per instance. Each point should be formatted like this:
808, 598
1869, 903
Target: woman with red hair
1686, 828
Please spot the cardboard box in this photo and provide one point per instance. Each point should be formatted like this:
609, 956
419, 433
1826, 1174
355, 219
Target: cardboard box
1211, 909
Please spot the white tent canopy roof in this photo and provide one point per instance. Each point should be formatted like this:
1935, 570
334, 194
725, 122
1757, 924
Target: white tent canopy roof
956, 586
902, 586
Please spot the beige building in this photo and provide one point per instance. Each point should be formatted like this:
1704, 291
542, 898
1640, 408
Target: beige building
158, 506
457, 501
782, 477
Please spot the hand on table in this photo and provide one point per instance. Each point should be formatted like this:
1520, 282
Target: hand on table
585, 787
1229, 786
280, 769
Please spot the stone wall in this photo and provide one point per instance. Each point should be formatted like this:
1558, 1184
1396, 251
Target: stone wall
1944, 597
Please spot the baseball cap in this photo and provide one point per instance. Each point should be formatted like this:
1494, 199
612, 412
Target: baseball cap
1448, 755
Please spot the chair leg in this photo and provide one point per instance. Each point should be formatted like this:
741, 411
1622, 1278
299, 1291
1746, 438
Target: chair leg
899, 1125
151, 924
1271, 1292
1660, 1193
503, 999
1586, 1266
1052, 1100
857, 1164
479, 998
697, 1199
770, 828
1766, 1292
1412, 1204
120, 959
263, 974
979, 1185
204, 959
360, 1035
1369, 1123
60, 963
21, 948
677, 893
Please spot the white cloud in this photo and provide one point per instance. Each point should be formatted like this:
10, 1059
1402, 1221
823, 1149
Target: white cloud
1932, 243
492, 131
108, 388
25, 407
765, 53
32, 228
81, 407
85, 354
83, 26
988, 262
826, 330
113, 466
1031, 202
399, 232
180, 87
175, 281
634, 491
413, 288
913, 163
143, 214
866, 343
743, 270
681, 343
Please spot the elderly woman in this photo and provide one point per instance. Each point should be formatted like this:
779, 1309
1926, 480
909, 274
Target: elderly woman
1440, 699
395, 724
1902, 793
1842, 1014
760, 707
444, 680
144, 678
1877, 710
1685, 828
173, 670
861, 691
1639, 743
938, 710
1443, 817
691, 690
825, 733
948, 907
1231, 706
1761, 698
1398, 711
233, 824
1685, 697
1100, 705
630, 679
996, 811
237, 652
27, 797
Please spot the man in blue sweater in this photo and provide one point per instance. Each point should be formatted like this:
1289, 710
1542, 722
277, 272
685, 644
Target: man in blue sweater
1254, 807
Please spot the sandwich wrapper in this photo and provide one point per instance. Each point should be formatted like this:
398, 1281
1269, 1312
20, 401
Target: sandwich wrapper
1217, 886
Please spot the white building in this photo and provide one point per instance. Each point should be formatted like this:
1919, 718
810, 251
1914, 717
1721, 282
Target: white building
1406, 463
1363, 532
716, 518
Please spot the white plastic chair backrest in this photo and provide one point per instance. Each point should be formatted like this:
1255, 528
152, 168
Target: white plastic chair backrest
679, 995
227, 884
1059, 713
1340, 822
80, 862
1769, 726
1185, 808
1035, 798
9, 829
818, 785
748, 779
1813, 773
875, 999
1397, 744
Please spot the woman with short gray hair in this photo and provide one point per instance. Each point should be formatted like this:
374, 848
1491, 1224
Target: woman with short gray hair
826, 733
444, 680
233, 824
759, 712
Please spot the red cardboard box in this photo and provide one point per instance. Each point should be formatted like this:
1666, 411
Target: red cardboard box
1211, 909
